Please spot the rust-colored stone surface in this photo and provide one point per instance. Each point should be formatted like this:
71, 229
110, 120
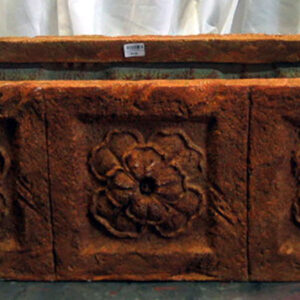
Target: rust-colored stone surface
148, 179
25, 226
232, 48
274, 193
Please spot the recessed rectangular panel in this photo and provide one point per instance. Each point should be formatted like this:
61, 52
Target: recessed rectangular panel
25, 223
274, 232
148, 180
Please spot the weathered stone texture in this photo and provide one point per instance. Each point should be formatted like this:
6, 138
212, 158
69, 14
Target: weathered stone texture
274, 193
25, 223
233, 48
148, 179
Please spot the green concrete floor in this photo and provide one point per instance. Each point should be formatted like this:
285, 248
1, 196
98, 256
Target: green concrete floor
148, 291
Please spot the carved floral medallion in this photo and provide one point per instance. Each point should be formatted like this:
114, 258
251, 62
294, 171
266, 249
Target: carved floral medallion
146, 183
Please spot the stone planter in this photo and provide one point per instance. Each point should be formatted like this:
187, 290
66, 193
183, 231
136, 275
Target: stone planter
182, 164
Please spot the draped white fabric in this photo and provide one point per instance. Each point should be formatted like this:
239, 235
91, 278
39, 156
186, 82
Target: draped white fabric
158, 17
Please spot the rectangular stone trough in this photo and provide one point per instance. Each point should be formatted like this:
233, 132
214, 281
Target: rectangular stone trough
183, 164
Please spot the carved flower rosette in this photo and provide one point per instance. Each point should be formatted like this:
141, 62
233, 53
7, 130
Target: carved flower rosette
145, 184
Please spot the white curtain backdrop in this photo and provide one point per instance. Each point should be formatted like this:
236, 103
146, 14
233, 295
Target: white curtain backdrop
159, 17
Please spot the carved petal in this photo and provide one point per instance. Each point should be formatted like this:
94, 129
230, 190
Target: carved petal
190, 202
121, 180
172, 143
101, 205
122, 188
180, 150
120, 142
174, 225
119, 197
126, 226
169, 183
147, 210
141, 160
112, 218
190, 163
103, 162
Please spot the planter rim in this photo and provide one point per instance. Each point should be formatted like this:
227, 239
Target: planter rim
232, 48
275, 83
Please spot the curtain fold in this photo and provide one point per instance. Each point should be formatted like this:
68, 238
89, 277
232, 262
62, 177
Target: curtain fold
157, 17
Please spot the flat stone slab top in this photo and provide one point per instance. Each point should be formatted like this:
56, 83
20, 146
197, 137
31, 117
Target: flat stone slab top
239, 48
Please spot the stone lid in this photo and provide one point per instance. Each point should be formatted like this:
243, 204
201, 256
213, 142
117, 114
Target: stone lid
245, 48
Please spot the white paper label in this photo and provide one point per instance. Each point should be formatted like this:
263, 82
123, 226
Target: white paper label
134, 50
